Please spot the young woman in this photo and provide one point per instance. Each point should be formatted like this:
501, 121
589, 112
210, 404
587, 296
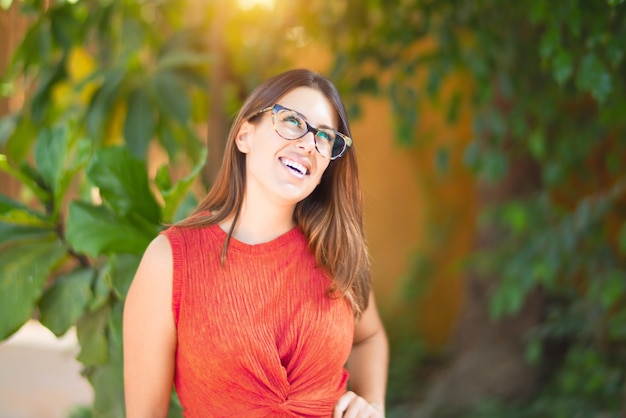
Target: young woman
259, 304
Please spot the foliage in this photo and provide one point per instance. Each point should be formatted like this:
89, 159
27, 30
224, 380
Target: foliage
106, 81
92, 250
548, 89
110, 78
107, 84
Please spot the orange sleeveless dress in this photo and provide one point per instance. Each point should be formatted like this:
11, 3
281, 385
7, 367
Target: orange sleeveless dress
257, 337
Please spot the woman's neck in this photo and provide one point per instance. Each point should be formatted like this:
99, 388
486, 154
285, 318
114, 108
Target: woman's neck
260, 223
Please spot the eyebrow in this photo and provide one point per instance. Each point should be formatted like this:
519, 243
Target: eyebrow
323, 126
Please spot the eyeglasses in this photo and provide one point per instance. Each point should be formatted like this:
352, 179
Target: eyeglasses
290, 125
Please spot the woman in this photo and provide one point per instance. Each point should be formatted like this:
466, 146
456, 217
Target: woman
259, 304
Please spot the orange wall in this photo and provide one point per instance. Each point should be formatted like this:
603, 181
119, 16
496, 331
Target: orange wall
412, 209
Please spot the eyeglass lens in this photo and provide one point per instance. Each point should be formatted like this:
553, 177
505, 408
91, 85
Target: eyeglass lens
290, 125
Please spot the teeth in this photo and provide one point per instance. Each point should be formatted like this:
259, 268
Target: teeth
296, 166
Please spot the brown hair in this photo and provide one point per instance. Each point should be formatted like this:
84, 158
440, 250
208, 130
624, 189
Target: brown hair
331, 217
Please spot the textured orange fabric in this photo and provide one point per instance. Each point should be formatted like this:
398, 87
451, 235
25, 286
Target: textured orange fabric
257, 337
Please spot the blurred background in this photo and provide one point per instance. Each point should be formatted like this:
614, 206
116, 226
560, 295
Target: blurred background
492, 152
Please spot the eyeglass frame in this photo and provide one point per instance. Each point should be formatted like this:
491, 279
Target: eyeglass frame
275, 108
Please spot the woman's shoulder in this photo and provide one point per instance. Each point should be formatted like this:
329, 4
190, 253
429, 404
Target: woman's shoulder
159, 250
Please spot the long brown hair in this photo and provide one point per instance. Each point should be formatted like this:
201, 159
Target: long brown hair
331, 217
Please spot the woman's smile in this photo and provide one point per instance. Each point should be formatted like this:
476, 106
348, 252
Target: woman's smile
298, 169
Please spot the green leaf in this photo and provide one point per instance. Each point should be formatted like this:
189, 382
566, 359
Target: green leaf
91, 333
617, 325
121, 273
405, 102
107, 377
177, 59
534, 351
24, 217
169, 91
20, 141
609, 289
162, 178
12, 233
442, 161
64, 302
29, 52
123, 183
494, 165
140, 123
26, 178
7, 204
101, 288
537, 144
507, 299
8, 123
550, 41
50, 153
562, 67
472, 154
595, 78
63, 25
187, 206
108, 384
24, 269
516, 217
101, 106
174, 196
95, 230
51, 156
41, 100
368, 85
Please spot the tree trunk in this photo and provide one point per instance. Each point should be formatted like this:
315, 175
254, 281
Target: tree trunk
11, 30
216, 124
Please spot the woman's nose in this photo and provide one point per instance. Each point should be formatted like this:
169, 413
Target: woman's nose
307, 142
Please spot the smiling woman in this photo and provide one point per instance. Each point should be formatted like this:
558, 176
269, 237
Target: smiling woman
238, 304
251, 4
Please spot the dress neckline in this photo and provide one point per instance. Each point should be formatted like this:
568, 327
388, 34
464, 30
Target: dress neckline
263, 247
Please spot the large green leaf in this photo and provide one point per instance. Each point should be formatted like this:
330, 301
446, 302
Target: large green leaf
107, 379
50, 154
41, 102
11, 233
593, 76
64, 302
123, 183
91, 333
95, 230
59, 156
26, 177
168, 88
140, 123
174, 196
121, 272
7, 204
101, 106
21, 138
101, 288
25, 218
24, 269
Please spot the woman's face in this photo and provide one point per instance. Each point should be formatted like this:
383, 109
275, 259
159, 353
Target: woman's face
285, 171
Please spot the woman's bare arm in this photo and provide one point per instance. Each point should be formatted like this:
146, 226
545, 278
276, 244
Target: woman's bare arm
150, 335
368, 365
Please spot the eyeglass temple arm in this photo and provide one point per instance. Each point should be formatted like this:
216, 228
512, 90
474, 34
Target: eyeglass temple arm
263, 110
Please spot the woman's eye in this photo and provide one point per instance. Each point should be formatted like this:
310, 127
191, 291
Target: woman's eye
325, 135
293, 120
